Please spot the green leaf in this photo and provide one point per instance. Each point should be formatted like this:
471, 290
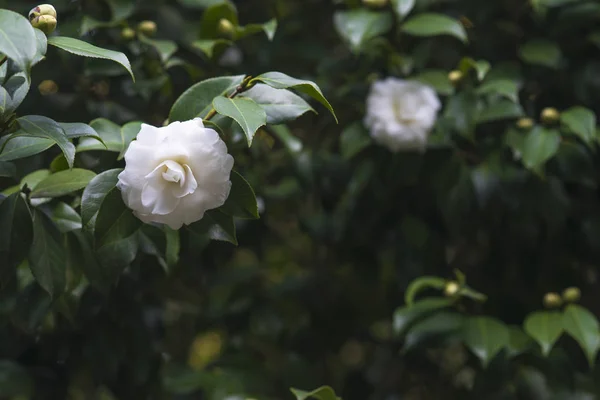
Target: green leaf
47, 257
268, 28
21, 147
280, 105
406, 316
249, 115
197, 100
114, 138
279, 80
485, 337
583, 326
65, 217
43, 127
164, 48
359, 26
353, 140
62, 183
540, 145
115, 221
17, 39
581, 121
420, 284
437, 79
129, 132
75, 130
518, 342
173, 246
211, 46
284, 134
217, 225
211, 17
430, 24
322, 393
481, 67
41, 46
34, 178
541, 52
16, 233
502, 87
94, 194
241, 202
444, 323
403, 7
501, 109
545, 327
14, 91
15, 381
81, 48
7, 169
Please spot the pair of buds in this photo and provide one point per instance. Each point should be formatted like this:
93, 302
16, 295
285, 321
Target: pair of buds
43, 17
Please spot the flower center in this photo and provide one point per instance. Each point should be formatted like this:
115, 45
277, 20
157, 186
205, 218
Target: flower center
166, 185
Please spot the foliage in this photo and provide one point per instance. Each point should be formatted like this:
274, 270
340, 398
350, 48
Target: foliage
334, 263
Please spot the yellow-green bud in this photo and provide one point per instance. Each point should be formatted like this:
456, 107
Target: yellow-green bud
571, 295
455, 76
375, 3
127, 34
226, 27
47, 87
42, 9
552, 300
451, 288
147, 28
525, 123
45, 23
550, 116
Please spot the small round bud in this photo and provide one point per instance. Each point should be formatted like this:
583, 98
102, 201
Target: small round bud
127, 34
552, 300
47, 87
525, 123
455, 76
226, 27
42, 9
550, 116
45, 23
571, 295
451, 288
375, 3
147, 28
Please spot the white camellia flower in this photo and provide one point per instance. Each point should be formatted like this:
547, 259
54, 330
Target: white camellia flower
175, 173
400, 114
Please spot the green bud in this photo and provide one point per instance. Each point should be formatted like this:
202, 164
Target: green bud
451, 288
525, 123
45, 23
147, 28
552, 300
42, 9
550, 116
571, 295
127, 34
455, 77
226, 27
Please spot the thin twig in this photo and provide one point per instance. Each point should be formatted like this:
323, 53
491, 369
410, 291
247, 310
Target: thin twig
3, 60
242, 87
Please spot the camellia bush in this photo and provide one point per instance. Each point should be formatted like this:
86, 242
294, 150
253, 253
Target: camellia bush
309, 199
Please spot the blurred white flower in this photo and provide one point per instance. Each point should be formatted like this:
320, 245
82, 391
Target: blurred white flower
175, 173
231, 57
400, 114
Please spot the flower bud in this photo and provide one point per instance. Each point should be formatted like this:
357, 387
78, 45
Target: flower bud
550, 116
375, 3
47, 87
571, 295
552, 300
455, 76
226, 27
45, 23
525, 123
451, 288
147, 28
127, 34
42, 9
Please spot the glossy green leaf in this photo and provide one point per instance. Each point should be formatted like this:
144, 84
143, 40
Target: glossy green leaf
43, 127
268, 28
20, 147
359, 26
241, 202
249, 115
94, 194
583, 326
322, 393
62, 183
65, 217
541, 52
502, 87
217, 225
545, 327
430, 24
16, 233
34, 178
115, 222
403, 7
75, 130
481, 67
13, 91
485, 337
518, 342
17, 38
437, 79
197, 100
501, 109
129, 132
211, 46
164, 48
581, 121
405, 316
81, 48
540, 145
114, 138
420, 284
41, 46
279, 80
47, 256
280, 105
444, 323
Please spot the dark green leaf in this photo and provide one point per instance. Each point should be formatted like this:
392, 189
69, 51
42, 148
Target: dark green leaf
164, 48
65, 217
539, 146
78, 129
20, 147
241, 202
518, 342
437, 79
430, 24
249, 115
7, 169
15, 381
444, 323
541, 52
353, 140
211, 46
359, 26
583, 326
211, 17
502, 109
403, 7
581, 121
217, 226
280, 105
322, 393
94, 194
405, 316
502, 87
545, 327
115, 222
129, 132
62, 183
17, 38
16, 234
47, 256
43, 127
485, 337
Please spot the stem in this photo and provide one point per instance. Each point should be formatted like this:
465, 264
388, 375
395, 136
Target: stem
3, 60
242, 87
